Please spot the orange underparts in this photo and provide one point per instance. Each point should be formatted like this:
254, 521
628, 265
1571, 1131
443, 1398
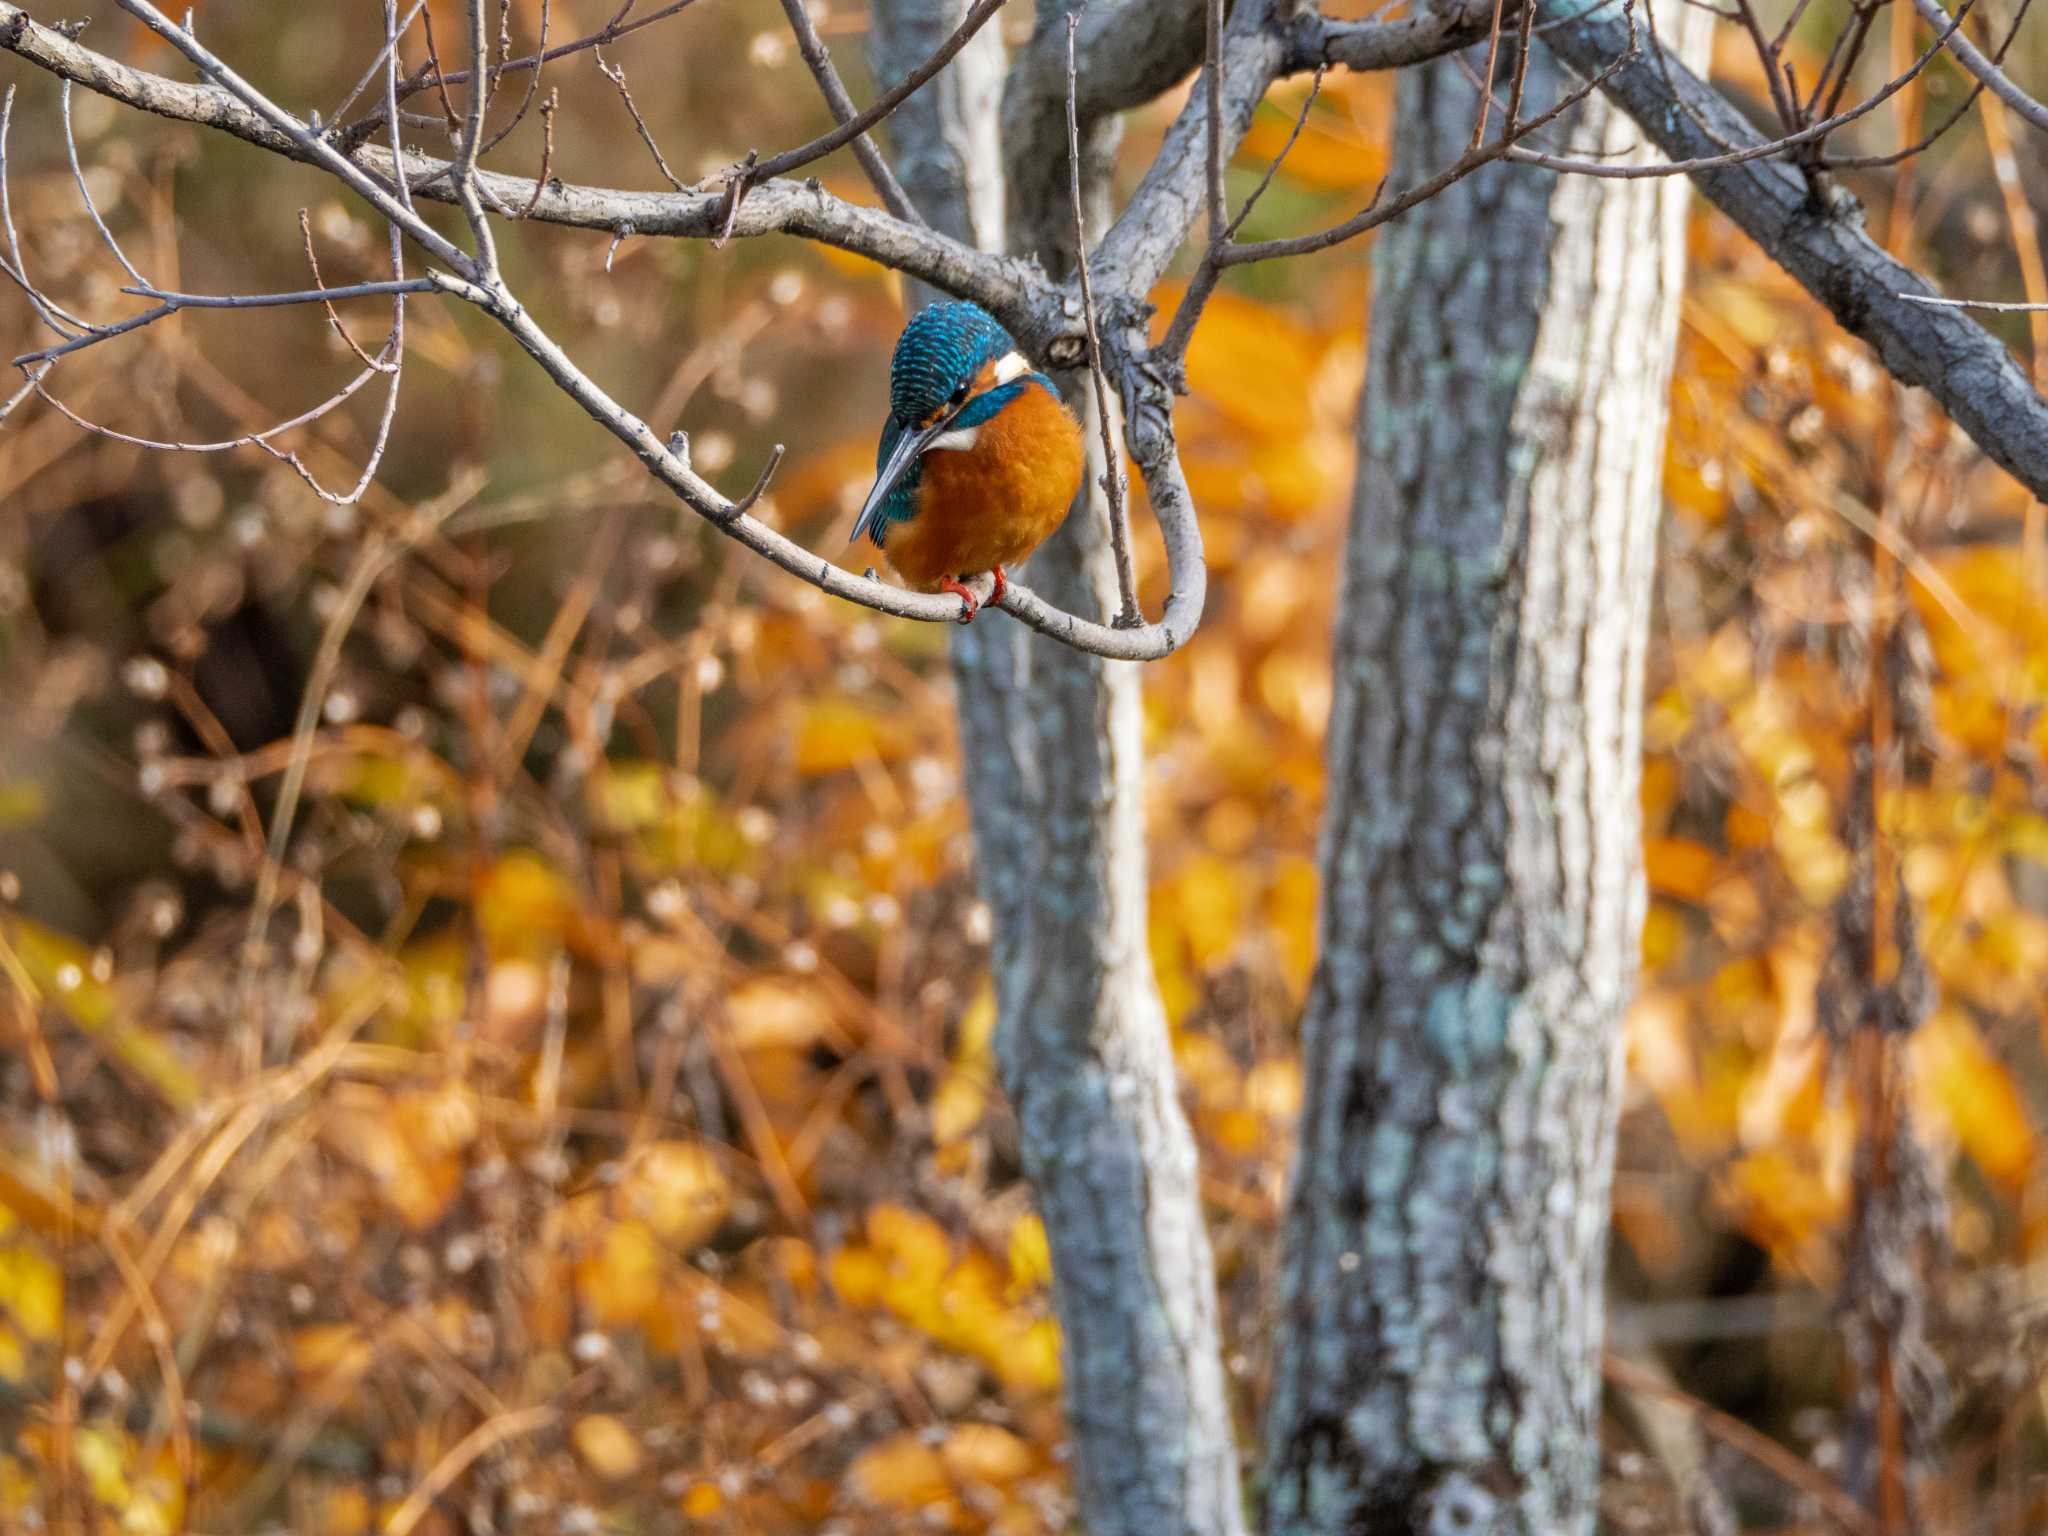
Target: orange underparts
981, 508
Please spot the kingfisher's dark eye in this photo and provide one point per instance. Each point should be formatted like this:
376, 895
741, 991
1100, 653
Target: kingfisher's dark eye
960, 394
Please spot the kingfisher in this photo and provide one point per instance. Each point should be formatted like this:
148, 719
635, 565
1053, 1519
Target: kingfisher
979, 459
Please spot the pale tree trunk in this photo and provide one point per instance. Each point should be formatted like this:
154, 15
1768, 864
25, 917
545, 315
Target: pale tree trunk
1440, 1318
1050, 740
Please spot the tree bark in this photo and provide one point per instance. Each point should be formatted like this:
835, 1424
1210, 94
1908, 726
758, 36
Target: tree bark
1054, 766
1437, 1364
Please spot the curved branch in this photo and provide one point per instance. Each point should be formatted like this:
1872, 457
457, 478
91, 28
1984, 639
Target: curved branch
1015, 291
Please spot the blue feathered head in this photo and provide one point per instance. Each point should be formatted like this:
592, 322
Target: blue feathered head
938, 356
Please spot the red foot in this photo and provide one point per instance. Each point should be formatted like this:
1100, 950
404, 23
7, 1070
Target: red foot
972, 605
1002, 586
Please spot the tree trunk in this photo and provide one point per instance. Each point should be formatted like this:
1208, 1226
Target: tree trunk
1050, 740
1437, 1364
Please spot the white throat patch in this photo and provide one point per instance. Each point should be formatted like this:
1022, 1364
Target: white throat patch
1011, 365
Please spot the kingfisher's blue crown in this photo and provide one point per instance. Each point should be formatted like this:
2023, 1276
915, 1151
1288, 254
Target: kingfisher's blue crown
943, 348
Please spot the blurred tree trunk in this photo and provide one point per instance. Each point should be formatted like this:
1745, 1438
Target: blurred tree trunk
1441, 1310
1055, 781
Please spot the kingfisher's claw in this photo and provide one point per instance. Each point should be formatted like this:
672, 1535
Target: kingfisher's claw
970, 605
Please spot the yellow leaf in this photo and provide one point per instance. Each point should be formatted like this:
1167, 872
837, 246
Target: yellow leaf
1209, 895
1291, 919
956, 1107
330, 1348
1330, 153
620, 1282
59, 968
768, 1012
987, 1453
834, 733
1678, 867
1971, 1089
606, 1446
901, 1471
1273, 1089
678, 1189
523, 906
31, 1291
859, 1275
702, 1501
1787, 1204
1030, 1254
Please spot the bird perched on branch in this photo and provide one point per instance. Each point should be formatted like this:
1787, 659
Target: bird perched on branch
979, 459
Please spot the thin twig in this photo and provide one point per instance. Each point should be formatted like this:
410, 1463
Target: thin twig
449, 118
487, 1435
1994, 306
533, 76
1813, 133
745, 504
1212, 73
392, 35
1488, 75
464, 169
781, 165
1374, 214
819, 60
1128, 616
327, 299
85, 192
1972, 59
1174, 345
171, 303
547, 152
617, 76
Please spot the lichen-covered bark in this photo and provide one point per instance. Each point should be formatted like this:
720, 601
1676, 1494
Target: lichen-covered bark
1436, 1368
1050, 741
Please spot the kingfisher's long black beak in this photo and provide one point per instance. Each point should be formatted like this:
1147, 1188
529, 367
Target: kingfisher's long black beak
908, 447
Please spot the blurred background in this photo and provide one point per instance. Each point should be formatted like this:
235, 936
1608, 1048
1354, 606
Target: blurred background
589, 1124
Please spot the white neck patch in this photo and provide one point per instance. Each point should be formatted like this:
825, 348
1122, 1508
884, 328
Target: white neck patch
1011, 365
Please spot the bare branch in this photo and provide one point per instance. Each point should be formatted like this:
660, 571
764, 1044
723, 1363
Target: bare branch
85, 192
976, 18
1992, 306
1212, 71
1012, 290
49, 312
327, 297
463, 173
378, 65
1972, 58
532, 77
1813, 133
1173, 347
16, 27
1127, 616
865, 150
547, 153
1821, 243
603, 37
1374, 214
617, 76
171, 303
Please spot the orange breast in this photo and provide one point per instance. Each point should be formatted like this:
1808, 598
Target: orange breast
994, 503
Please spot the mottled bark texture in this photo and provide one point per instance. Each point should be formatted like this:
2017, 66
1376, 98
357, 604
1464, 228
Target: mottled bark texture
1436, 1369
1050, 742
